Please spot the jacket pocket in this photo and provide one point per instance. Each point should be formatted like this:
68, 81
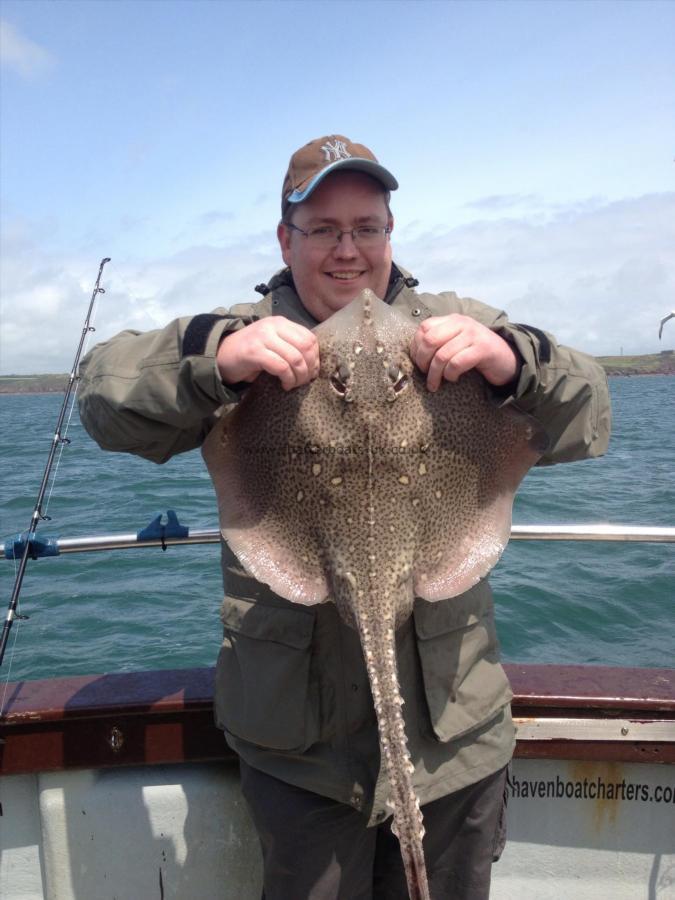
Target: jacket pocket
464, 683
263, 693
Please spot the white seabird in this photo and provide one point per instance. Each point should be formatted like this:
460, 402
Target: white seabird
670, 315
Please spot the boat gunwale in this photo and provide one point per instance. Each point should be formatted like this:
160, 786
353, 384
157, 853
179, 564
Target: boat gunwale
166, 716
172, 690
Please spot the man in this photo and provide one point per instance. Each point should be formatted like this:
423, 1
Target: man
291, 687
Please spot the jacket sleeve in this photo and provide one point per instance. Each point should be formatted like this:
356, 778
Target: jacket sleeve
564, 389
156, 393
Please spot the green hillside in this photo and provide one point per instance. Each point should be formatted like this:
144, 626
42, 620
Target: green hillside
650, 364
32, 384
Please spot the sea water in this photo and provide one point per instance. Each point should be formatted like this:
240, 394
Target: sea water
113, 611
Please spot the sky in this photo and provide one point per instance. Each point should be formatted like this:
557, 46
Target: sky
534, 145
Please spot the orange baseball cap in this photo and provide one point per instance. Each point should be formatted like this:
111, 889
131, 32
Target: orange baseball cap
310, 164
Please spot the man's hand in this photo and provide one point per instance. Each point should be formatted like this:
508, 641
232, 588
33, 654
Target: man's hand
447, 346
275, 345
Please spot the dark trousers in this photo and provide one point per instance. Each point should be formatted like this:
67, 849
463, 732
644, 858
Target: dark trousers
315, 848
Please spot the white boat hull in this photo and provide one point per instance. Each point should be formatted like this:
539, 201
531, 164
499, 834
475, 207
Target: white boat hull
183, 832
119, 787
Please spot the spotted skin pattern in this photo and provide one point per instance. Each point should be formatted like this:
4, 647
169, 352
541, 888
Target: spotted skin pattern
366, 489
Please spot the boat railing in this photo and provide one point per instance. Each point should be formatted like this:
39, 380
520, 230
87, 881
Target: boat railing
172, 533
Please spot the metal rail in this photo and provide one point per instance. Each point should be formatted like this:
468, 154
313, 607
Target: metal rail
601, 532
630, 533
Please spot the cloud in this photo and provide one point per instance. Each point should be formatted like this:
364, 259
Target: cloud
214, 217
599, 275
21, 55
45, 295
503, 201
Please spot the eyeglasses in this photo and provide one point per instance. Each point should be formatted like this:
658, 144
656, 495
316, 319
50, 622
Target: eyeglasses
329, 235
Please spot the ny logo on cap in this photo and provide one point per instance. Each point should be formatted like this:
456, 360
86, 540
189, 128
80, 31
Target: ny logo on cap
336, 150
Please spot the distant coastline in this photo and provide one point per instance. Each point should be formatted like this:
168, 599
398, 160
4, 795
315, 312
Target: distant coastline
33, 384
648, 364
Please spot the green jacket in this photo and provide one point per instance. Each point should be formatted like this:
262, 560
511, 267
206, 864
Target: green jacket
291, 687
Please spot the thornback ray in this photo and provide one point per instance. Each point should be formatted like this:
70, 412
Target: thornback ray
367, 489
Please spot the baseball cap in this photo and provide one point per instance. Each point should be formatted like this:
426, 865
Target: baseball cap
310, 164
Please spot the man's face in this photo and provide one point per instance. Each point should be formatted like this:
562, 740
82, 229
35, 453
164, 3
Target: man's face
329, 278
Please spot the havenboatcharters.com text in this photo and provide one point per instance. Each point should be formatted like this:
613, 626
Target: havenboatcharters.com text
591, 789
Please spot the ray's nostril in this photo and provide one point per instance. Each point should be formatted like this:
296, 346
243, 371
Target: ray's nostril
344, 372
340, 379
398, 378
339, 386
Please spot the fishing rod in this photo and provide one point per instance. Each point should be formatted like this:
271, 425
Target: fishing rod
57, 440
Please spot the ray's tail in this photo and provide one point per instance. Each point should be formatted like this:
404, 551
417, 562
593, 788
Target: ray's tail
379, 649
